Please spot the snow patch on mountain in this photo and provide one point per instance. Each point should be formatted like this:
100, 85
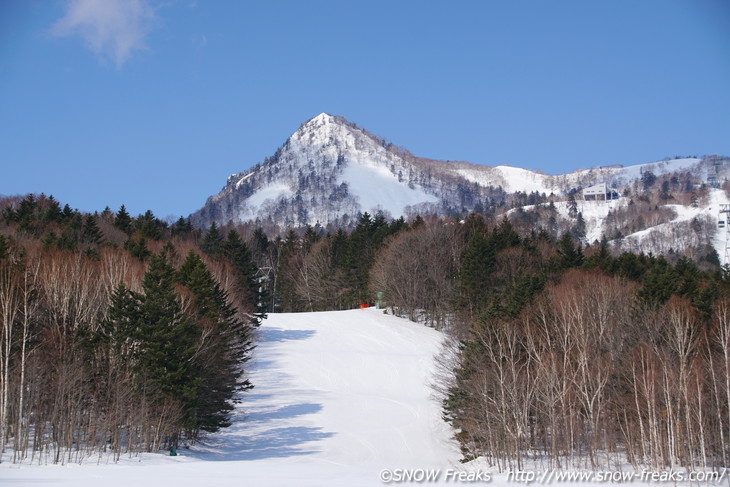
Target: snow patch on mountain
266, 195
378, 190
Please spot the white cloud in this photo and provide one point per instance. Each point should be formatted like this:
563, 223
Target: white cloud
112, 29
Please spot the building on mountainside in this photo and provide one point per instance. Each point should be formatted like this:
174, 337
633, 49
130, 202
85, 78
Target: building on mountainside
600, 192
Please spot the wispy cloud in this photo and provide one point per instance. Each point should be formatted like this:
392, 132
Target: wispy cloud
112, 29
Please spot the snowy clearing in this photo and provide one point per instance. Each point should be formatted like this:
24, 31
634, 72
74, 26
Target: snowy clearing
338, 397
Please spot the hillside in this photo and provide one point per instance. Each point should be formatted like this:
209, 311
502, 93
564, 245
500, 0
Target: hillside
640, 226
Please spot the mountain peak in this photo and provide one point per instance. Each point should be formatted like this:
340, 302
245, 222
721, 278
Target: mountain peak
321, 119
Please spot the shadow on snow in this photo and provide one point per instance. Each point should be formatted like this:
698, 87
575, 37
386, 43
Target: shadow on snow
269, 335
262, 430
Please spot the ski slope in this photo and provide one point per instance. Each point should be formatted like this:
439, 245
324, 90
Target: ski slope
339, 396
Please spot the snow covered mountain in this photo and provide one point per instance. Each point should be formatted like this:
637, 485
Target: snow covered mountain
330, 171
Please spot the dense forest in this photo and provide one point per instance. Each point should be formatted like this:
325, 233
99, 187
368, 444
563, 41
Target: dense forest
119, 334
123, 334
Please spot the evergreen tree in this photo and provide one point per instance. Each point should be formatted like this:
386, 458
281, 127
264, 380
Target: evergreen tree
53, 211
239, 255
123, 221
107, 214
285, 294
417, 222
137, 248
477, 264
213, 241
181, 227
601, 259
90, 232
149, 226
504, 236
648, 179
67, 212
309, 238
167, 342
572, 205
579, 230
4, 247
225, 347
120, 329
569, 254
338, 248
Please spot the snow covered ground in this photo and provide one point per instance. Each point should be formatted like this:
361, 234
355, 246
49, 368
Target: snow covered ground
339, 397
342, 399
595, 214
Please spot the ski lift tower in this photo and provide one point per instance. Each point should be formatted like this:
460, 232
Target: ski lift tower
723, 224
714, 179
266, 278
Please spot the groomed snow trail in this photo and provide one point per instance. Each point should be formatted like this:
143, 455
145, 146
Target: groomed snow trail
338, 396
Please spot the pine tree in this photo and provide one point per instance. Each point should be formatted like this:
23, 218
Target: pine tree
648, 179
167, 341
569, 254
579, 230
123, 221
572, 206
504, 236
67, 212
137, 248
225, 347
477, 264
4, 247
181, 227
107, 214
213, 241
90, 232
120, 329
238, 254
149, 226
259, 242
53, 211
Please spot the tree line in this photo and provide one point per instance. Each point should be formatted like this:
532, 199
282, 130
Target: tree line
118, 334
126, 334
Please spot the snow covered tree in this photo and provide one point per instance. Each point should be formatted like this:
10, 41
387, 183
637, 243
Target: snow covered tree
572, 205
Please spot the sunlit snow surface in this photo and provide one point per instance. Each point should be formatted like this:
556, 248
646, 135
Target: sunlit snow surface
378, 189
513, 179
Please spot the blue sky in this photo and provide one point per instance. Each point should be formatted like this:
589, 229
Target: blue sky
153, 103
